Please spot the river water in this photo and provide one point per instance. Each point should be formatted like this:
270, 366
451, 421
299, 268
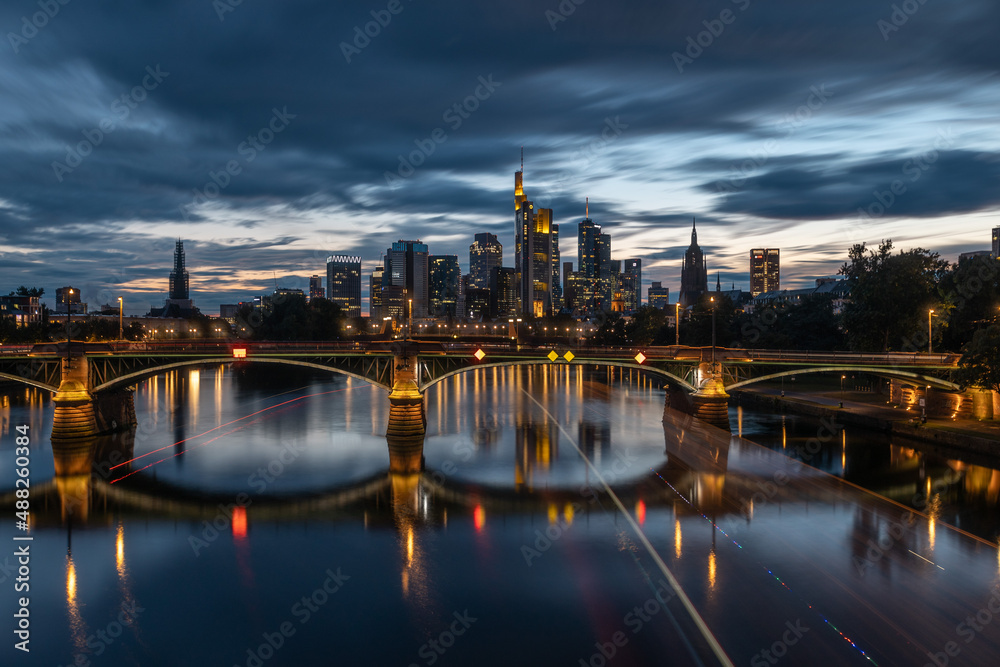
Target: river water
251, 519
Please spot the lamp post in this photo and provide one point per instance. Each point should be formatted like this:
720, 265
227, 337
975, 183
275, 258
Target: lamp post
677, 323
120, 329
409, 320
930, 343
842, 378
69, 321
712, 300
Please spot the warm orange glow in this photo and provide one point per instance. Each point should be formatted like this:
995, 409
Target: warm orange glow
711, 568
239, 522
640, 358
479, 517
677, 538
479, 354
239, 352
70, 581
553, 513
409, 545
120, 550
569, 514
640, 512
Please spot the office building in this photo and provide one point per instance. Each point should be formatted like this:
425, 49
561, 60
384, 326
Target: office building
375, 293
632, 284
503, 298
764, 270
694, 273
658, 295
533, 253
406, 267
996, 243
444, 278
316, 290
343, 283
485, 254
557, 295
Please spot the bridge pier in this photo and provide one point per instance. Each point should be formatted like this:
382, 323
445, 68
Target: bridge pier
74, 411
407, 418
709, 403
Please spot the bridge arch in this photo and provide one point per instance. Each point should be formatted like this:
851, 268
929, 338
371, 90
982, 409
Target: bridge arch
915, 378
131, 378
670, 377
27, 381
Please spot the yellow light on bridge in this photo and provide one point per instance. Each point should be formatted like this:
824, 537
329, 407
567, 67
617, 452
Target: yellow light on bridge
239, 353
552, 356
479, 354
569, 356
639, 358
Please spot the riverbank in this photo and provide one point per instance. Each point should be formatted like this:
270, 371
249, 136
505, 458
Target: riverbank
868, 410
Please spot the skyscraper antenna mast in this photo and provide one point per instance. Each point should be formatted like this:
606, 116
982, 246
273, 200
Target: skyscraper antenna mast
587, 215
522, 159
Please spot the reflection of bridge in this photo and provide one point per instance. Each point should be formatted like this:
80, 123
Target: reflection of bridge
92, 397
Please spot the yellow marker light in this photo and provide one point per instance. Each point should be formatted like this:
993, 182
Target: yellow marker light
639, 358
552, 356
569, 356
479, 354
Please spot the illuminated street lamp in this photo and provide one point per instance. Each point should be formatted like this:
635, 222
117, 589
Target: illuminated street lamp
120, 329
712, 300
69, 322
677, 323
930, 343
842, 378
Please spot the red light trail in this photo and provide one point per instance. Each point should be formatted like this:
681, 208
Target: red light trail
252, 414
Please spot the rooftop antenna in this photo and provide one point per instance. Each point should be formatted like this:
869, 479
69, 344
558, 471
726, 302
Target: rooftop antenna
588, 209
522, 159
275, 275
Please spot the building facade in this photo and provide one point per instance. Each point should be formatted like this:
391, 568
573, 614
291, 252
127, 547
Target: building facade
533, 254
765, 270
375, 293
632, 284
316, 290
343, 283
485, 254
658, 295
406, 267
444, 278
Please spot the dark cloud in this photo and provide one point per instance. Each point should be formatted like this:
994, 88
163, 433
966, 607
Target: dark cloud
556, 86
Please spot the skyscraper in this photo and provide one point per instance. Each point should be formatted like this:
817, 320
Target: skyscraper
996, 243
694, 274
443, 281
764, 271
406, 267
557, 293
485, 253
179, 276
343, 283
607, 273
632, 284
375, 293
533, 253
503, 299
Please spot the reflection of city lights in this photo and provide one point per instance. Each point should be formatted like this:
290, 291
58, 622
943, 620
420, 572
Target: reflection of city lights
479, 517
239, 522
409, 545
711, 568
120, 550
70, 581
677, 538
553, 513
640, 512
568, 514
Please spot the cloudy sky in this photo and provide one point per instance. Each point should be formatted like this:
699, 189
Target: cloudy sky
269, 134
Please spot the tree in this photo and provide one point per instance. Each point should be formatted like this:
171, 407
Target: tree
980, 363
970, 293
28, 291
890, 296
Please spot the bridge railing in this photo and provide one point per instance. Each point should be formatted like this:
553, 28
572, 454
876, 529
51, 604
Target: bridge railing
890, 358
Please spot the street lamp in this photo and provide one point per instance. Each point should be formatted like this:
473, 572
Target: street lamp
842, 377
712, 300
930, 343
677, 323
120, 329
69, 321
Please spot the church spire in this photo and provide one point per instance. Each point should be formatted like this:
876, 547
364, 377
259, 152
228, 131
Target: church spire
694, 233
718, 282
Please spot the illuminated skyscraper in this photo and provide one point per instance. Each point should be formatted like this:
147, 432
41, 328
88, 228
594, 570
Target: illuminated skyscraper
694, 273
485, 254
444, 277
764, 271
343, 283
316, 290
996, 243
557, 293
375, 293
406, 267
658, 295
533, 253
632, 284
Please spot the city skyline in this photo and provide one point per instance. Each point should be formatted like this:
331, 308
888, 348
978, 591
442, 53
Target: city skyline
777, 131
